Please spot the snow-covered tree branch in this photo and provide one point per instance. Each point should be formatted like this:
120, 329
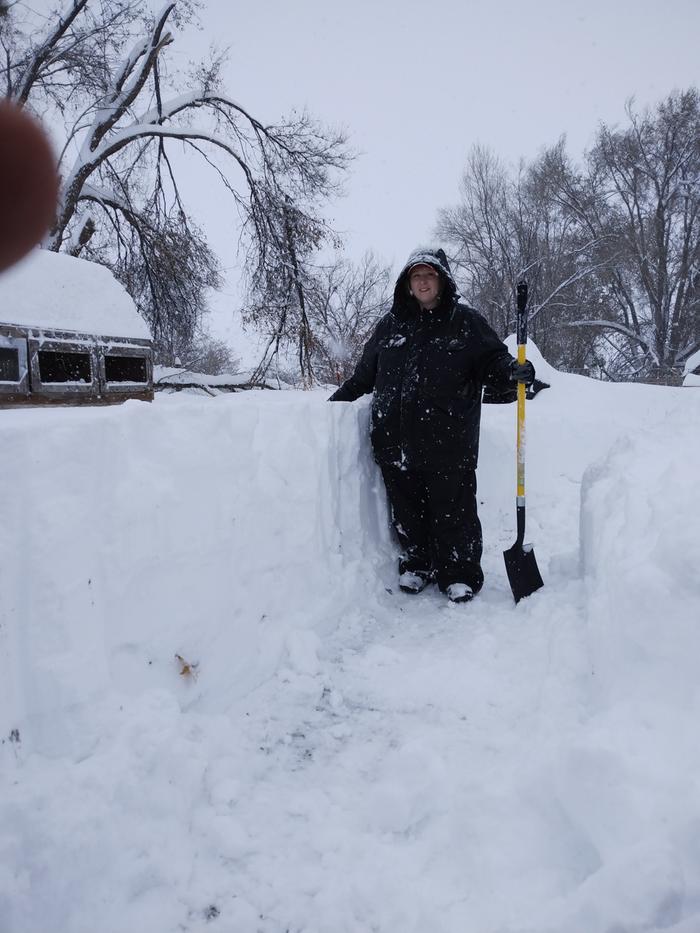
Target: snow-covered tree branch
101, 69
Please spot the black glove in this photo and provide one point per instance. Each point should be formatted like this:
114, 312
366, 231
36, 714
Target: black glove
522, 372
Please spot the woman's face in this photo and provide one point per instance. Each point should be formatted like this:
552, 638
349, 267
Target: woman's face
424, 283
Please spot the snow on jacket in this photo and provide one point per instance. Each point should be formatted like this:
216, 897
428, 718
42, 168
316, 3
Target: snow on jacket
427, 369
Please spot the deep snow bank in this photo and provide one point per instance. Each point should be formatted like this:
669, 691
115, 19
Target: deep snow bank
640, 551
622, 779
209, 529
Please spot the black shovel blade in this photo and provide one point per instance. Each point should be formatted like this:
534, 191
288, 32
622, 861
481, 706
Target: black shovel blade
523, 573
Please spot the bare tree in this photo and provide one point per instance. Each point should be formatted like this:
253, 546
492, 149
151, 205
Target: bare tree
481, 233
641, 189
280, 288
168, 268
347, 301
511, 224
101, 65
209, 355
321, 312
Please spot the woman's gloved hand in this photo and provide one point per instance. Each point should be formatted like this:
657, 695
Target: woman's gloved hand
522, 372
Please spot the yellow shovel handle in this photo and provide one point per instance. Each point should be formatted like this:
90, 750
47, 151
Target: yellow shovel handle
521, 427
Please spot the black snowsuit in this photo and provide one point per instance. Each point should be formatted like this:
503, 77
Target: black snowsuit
427, 370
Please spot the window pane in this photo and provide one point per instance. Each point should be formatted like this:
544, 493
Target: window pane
9, 364
126, 368
63, 366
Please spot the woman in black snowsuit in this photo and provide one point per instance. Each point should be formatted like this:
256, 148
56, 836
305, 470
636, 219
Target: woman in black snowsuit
426, 363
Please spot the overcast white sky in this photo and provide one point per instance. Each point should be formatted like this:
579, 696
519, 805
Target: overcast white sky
416, 85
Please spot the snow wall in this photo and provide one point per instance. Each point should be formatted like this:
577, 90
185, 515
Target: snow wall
622, 778
640, 550
218, 530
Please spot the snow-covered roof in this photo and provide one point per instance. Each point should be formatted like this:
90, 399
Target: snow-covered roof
60, 292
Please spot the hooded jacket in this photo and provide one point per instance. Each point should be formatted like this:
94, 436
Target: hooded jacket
427, 370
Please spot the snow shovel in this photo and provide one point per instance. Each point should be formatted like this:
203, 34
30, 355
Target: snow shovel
521, 566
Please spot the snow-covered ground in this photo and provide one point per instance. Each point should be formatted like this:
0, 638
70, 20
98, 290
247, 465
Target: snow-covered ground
327, 755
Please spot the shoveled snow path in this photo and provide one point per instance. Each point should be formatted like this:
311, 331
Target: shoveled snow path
384, 793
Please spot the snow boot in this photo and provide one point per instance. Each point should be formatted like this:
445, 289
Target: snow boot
459, 593
414, 582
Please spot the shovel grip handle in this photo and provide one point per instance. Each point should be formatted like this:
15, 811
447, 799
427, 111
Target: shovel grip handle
521, 304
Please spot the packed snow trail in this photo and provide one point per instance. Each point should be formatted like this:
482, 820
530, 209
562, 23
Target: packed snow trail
338, 755
390, 774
